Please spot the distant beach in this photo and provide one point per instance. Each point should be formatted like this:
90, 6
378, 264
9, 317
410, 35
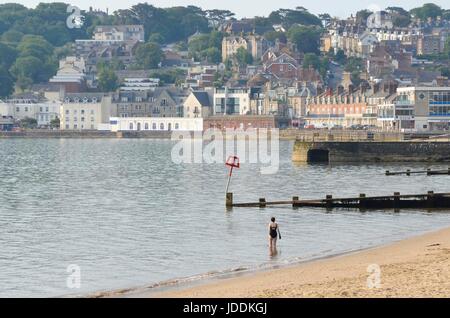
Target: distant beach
415, 267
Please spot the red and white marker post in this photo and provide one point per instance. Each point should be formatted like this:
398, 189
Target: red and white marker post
232, 162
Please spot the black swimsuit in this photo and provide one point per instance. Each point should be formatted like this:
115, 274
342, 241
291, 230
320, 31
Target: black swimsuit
273, 231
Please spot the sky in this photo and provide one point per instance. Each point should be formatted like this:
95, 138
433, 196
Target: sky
251, 8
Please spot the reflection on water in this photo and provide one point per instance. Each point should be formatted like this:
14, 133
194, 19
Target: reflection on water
127, 216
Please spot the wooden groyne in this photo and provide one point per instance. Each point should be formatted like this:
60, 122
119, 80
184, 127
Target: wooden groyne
428, 172
430, 200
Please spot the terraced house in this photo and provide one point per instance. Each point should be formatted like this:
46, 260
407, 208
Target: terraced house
158, 102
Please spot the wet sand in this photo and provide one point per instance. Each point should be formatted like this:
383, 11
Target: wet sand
415, 267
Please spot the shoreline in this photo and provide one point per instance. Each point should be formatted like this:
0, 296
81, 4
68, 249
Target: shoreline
418, 266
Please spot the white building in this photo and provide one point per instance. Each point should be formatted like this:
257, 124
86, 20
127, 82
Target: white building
231, 101
155, 124
119, 33
430, 105
86, 111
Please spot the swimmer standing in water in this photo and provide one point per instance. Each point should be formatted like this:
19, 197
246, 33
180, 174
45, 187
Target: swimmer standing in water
274, 233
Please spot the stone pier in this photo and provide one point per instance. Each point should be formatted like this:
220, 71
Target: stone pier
371, 151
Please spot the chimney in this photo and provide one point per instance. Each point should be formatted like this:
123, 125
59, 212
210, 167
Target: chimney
340, 89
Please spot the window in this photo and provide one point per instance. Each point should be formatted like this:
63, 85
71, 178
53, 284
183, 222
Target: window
131, 126
177, 126
26, 109
146, 126
75, 119
82, 112
67, 126
92, 112
41, 109
92, 126
67, 112
92, 118
75, 126
82, 119
17, 109
46, 109
154, 126
161, 126
67, 118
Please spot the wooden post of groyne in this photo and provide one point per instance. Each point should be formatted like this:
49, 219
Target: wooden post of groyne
294, 201
229, 199
430, 199
362, 201
262, 202
396, 201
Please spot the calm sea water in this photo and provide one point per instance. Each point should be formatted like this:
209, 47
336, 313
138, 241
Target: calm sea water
127, 216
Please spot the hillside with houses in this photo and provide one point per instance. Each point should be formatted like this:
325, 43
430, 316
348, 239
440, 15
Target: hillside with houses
185, 68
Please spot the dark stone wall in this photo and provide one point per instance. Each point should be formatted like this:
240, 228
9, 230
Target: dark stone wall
399, 151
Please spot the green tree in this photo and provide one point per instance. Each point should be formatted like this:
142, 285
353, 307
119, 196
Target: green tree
27, 67
272, 36
316, 62
28, 123
243, 57
12, 37
6, 82
362, 15
156, 38
447, 48
311, 59
306, 39
149, 55
289, 17
428, 10
55, 123
107, 79
214, 55
216, 16
340, 57
215, 39
400, 17
7, 55
169, 76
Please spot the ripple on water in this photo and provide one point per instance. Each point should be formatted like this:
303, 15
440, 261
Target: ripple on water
124, 213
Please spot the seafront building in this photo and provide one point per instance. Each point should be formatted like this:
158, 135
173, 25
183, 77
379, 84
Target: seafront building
27, 105
155, 124
427, 107
86, 111
231, 100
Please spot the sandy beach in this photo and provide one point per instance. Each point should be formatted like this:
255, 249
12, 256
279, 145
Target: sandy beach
415, 267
